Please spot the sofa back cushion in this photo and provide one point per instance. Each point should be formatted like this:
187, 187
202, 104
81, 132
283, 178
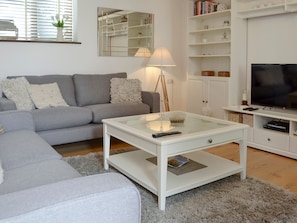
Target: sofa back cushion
65, 83
93, 89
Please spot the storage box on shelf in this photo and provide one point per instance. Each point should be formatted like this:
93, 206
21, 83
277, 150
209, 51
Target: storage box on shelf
278, 141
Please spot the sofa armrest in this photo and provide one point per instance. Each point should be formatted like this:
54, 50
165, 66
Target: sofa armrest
97, 198
16, 120
6, 104
152, 99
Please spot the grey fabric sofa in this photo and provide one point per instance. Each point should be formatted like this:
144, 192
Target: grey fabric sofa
89, 98
40, 187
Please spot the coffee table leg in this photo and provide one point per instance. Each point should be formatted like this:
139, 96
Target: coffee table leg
106, 147
243, 154
162, 177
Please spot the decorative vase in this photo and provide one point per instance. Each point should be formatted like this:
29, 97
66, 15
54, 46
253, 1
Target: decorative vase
60, 36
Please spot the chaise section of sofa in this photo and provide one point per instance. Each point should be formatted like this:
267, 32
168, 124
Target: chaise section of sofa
88, 97
39, 186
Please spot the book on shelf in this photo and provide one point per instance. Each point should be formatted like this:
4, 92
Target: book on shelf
204, 7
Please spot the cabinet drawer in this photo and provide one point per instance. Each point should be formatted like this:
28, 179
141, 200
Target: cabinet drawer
272, 138
293, 144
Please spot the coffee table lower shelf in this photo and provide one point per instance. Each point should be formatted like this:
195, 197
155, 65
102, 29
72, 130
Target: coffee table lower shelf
135, 166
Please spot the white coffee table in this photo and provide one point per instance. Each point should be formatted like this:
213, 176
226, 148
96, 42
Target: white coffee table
198, 133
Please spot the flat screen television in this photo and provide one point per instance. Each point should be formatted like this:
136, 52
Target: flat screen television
274, 85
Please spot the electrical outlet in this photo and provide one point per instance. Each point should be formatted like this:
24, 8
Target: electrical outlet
170, 81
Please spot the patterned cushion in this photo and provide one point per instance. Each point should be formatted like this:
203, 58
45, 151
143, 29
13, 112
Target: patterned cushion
1, 129
125, 90
65, 83
46, 95
15, 90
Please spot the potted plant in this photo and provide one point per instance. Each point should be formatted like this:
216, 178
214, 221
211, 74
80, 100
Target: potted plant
59, 22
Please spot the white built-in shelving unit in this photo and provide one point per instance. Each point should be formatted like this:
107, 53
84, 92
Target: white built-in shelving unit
212, 45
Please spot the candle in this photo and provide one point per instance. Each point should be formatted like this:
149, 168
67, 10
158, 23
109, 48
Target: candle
244, 96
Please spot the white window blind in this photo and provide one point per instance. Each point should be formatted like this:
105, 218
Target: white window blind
33, 17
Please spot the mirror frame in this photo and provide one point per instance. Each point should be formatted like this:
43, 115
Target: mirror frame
125, 33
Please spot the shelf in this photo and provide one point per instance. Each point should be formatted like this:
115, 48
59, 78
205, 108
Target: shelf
205, 56
199, 77
40, 41
135, 165
210, 30
116, 24
268, 10
140, 37
140, 26
210, 43
213, 14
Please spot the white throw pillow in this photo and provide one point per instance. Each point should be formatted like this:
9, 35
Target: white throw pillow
46, 95
1, 173
15, 89
125, 90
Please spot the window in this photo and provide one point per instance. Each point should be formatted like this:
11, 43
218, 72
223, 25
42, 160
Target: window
33, 18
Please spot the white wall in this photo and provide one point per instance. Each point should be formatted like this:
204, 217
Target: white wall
271, 39
51, 58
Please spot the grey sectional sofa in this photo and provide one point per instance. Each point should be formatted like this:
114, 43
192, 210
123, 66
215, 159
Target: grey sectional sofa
40, 187
89, 100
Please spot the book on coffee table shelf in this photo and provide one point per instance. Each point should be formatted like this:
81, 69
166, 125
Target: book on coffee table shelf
177, 161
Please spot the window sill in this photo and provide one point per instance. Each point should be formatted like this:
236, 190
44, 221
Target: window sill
39, 41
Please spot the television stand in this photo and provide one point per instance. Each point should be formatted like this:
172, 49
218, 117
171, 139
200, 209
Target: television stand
268, 139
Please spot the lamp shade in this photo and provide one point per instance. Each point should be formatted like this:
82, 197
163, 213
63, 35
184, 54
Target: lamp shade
143, 52
161, 58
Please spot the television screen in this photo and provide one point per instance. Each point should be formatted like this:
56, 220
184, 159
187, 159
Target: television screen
274, 85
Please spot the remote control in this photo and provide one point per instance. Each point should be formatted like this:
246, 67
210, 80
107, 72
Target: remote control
161, 134
250, 109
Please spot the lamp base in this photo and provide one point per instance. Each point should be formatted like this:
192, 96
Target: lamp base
164, 89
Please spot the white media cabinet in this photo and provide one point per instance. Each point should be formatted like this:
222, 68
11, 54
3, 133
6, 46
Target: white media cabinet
282, 143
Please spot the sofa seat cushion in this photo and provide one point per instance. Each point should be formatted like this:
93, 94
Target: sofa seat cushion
37, 174
102, 111
22, 147
61, 117
93, 89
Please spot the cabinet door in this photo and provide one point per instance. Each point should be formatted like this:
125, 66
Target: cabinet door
217, 92
195, 96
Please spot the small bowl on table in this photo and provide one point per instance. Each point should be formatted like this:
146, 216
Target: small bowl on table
177, 118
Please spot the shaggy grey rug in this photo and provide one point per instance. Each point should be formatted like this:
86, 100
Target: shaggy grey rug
225, 201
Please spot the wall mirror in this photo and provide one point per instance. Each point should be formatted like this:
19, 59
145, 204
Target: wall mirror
125, 33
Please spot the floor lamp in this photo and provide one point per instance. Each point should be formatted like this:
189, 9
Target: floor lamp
162, 58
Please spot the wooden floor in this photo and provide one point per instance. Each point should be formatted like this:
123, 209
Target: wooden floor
266, 166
